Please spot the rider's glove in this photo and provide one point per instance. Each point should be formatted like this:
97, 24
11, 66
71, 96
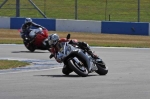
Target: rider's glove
51, 56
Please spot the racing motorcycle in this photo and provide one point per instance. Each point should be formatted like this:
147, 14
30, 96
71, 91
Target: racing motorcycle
79, 61
35, 41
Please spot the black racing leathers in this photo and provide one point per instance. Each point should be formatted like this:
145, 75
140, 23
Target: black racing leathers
85, 46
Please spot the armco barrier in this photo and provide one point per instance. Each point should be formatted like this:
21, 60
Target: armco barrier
5, 22
129, 28
50, 24
78, 25
134, 28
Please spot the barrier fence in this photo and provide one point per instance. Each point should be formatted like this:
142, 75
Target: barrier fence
129, 28
100, 10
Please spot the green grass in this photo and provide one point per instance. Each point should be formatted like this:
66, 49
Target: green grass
7, 64
113, 10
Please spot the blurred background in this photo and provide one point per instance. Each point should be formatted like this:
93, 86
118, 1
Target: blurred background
99, 10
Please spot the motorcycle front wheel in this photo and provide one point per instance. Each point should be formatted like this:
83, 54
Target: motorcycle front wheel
30, 48
79, 69
66, 70
102, 69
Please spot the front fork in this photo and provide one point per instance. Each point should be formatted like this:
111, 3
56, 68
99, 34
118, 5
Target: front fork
79, 63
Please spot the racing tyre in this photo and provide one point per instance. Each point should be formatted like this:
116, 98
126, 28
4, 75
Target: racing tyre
81, 70
66, 70
30, 48
102, 69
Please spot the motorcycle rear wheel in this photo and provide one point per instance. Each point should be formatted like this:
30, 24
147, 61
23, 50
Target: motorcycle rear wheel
77, 70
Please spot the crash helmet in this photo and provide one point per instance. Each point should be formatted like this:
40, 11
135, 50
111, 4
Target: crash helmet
28, 20
53, 39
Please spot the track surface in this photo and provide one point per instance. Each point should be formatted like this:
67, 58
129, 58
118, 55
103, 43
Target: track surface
128, 77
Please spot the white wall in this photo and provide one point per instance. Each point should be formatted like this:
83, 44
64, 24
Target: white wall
5, 22
78, 25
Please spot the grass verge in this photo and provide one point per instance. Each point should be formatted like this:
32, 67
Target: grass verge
7, 64
106, 40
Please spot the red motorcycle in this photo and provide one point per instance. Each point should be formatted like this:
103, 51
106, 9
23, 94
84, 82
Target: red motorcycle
36, 39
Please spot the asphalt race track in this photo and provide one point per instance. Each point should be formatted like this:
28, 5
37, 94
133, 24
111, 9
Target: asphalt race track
128, 76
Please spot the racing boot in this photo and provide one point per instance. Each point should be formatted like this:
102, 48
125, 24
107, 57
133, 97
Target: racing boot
89, 51
85, 46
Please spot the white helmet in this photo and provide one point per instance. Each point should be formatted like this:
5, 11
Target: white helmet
28, 20
53, 39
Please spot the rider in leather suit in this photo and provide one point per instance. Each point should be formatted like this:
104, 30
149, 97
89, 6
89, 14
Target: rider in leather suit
25, 29
55, 44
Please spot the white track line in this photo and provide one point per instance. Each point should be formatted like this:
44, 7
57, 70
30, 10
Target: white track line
30, 70
90, 46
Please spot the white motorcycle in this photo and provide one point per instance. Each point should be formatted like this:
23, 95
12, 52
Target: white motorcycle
80, 61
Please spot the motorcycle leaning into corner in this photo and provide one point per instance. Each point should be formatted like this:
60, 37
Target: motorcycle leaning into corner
79, 61
35, 39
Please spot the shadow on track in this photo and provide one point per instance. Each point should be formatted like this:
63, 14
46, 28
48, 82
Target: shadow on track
28, 52
71, 75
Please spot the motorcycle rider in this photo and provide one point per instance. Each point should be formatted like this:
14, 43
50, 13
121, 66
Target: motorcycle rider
56, 44
25, 29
